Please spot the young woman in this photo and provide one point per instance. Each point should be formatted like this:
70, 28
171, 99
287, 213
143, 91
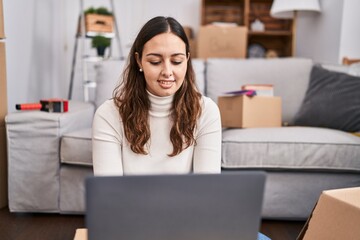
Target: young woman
157, 121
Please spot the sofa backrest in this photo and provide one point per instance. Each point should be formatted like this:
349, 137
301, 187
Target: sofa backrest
290, 77
109, 73
199, 69
108, 76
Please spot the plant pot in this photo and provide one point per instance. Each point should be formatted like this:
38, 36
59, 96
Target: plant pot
101, 51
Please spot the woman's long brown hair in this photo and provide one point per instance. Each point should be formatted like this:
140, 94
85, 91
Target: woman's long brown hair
133, 102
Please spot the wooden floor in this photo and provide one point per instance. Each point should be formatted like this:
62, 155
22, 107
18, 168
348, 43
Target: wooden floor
15, 226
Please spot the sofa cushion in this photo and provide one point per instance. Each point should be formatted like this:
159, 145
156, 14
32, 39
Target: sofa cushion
354, 69
72, 188
336, 67
298, 148
290, 77
332, 101
76, 147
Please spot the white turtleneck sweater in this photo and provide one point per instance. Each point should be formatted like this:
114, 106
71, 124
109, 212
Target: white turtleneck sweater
112, 154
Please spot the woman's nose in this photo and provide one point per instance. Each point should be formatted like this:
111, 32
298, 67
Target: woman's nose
167, 70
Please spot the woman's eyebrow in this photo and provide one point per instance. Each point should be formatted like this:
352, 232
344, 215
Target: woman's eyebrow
159, 55
154, 54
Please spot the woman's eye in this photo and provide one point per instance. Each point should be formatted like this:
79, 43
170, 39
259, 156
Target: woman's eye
176, 62
154, 63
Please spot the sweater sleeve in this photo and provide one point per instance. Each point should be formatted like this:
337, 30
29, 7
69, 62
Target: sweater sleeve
207, 151
107, 141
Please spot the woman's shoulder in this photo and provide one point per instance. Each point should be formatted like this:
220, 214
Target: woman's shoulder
107, 108
209, 107
210, 118
208, 103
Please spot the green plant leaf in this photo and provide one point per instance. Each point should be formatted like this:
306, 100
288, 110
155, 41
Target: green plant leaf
99, 41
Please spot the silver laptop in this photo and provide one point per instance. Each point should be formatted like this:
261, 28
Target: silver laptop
223, 206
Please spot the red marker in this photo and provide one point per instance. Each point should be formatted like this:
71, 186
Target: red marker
47, 105
28, 106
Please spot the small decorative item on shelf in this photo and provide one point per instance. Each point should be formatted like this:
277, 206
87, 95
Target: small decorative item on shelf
100, 43
256, 50
271, 53
257, 26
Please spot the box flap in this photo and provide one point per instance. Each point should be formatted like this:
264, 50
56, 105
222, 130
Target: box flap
349, 196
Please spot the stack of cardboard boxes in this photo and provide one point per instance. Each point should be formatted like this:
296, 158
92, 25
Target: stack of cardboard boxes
3, 112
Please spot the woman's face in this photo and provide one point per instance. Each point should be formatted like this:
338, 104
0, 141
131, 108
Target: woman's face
164, 63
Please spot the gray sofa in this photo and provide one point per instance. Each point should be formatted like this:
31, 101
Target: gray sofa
49, 154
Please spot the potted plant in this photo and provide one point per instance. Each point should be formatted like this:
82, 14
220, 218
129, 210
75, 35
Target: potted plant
100, 43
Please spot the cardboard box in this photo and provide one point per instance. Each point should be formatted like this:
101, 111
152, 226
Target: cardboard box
249, 112
97, 24
189, 32
3, 112
81, 234
192, 42
3, 86
3, 168
221, 42
335, 216
2, 31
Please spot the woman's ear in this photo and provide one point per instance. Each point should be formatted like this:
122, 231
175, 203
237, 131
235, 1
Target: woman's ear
138, 60
188, 56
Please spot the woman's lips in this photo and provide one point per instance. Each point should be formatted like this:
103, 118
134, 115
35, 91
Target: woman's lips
166, 83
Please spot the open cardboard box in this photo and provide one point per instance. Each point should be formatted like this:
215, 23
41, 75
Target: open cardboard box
335, 216
242, 111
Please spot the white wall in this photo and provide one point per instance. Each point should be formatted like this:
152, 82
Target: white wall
350, 30
332, 34
34, 50
319, 33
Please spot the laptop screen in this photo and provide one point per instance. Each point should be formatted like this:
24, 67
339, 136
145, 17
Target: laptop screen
175, 207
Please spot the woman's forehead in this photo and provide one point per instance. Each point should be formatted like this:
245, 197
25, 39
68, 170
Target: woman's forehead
165, 44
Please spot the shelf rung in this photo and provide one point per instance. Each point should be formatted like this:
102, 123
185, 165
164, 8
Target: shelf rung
104, 34
89, 84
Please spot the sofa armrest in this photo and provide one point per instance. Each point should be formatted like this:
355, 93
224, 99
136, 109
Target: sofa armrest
33, 142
